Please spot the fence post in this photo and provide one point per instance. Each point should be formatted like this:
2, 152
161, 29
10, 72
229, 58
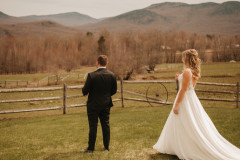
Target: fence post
122, 93
64, 98
237, 96
57, 78
48, 80
17, 83
177, 85
5, 84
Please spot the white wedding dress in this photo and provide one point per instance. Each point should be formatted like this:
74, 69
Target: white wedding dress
191, 134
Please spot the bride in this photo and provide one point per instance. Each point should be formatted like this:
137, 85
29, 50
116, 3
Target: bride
189, 133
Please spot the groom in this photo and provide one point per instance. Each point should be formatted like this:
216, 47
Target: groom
99, 86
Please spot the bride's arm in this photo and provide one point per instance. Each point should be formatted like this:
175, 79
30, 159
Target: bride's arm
185, 83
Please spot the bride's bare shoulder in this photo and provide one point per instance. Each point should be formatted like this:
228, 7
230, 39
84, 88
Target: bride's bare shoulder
187, 73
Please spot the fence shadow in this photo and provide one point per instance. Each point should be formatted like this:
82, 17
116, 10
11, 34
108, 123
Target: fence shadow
155, 156
161, 156
63, 155
67, 155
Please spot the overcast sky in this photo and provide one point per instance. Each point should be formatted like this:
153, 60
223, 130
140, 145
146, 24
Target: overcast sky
93, 8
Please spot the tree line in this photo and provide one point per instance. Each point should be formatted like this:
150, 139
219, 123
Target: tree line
129, 51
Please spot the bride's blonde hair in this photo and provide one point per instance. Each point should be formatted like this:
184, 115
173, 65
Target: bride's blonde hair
191, 61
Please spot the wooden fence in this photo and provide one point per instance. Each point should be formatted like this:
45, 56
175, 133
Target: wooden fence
13, 83
56, 79
236, 86
122, 99
49, 80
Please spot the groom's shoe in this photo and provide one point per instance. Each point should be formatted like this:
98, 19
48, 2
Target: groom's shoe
106, 149
87, 151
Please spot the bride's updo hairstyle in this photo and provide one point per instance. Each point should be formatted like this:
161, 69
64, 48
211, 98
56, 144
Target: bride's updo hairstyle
191, 61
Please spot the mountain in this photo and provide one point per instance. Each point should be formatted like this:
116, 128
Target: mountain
205, 18
3, 14
67, 19
6, 19
228, 8
35, 29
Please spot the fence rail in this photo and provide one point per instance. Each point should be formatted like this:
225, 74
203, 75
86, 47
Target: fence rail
48, 80
172, 81
37, 89
38, 99
215, 91
199, 90
121, 91
16, 83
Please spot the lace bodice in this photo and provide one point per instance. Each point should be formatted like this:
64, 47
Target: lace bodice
180, 77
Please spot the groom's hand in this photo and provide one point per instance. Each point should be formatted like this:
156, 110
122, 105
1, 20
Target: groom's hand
86, 94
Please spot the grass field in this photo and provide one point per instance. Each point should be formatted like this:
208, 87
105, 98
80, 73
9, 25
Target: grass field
212, 72
133, 132
134, 129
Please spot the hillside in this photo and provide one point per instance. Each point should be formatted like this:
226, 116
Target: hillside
67, 19
6, 19
35, 28
203, 18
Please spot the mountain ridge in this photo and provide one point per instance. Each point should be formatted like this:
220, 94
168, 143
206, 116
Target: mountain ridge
204, 18
68, 19
37, 28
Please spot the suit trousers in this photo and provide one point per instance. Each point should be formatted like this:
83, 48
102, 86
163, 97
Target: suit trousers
93, 116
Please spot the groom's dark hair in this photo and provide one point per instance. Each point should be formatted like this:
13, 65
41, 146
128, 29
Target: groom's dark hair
102, 60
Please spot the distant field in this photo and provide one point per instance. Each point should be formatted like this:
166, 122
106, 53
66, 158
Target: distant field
69, 77
210, 72
213, 72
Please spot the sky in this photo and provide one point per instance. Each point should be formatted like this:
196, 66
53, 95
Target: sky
93, 8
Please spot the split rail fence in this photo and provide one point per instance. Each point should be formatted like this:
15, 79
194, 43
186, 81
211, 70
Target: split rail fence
49, 80
121, 91
15, 83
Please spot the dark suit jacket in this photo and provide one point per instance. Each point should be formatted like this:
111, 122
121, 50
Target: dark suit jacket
101, 85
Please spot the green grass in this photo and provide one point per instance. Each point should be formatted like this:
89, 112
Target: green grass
134, 130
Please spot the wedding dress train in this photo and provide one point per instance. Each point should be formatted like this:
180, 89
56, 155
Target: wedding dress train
191, 134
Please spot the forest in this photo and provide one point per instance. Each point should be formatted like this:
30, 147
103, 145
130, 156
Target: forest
129, 51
